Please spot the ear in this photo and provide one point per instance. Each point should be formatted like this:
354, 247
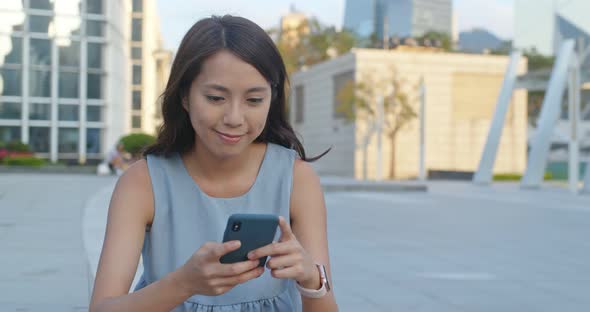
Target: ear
185, 104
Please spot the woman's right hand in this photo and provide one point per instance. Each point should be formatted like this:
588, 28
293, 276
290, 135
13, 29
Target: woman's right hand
203, 274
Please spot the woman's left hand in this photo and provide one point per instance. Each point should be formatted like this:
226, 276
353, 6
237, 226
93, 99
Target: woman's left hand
289, 259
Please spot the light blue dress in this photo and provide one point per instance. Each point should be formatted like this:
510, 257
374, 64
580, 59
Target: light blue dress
185, 218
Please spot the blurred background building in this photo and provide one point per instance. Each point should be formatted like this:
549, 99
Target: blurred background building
76, 75
400, 18
461, 96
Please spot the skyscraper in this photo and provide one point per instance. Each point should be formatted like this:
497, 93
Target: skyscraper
400, 18
69, 70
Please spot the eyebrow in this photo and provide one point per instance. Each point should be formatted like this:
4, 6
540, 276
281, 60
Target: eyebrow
224, 89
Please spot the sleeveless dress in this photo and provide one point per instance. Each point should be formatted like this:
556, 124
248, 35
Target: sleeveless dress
186, 217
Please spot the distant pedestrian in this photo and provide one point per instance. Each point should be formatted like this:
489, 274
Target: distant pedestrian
116, 159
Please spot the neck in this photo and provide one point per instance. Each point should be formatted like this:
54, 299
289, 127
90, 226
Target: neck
203, 163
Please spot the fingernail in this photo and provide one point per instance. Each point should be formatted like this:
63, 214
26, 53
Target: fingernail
235, 244
250, 255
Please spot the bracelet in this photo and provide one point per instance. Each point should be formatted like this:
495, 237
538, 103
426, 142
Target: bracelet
316, 293
312, 293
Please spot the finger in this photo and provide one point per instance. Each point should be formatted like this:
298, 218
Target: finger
241, 278
286, 232
291, 272
226, 270
273, 249
283, 261
218, 250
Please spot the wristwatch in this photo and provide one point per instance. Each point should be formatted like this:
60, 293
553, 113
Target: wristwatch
316, 293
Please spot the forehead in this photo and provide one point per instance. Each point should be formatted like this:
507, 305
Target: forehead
227, 69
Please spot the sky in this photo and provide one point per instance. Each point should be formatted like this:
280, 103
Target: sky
177, 16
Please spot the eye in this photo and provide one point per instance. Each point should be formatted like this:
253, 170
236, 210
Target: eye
213, 98
255, 100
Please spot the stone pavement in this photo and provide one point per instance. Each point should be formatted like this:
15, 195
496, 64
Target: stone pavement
43, 265
457, 247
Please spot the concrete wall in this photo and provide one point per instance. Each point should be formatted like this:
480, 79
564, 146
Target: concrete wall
319, 130
461, 95
116, 82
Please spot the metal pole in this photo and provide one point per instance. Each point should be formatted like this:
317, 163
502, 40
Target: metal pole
422, 167
379, 135
549, 115
488, 157
573, 99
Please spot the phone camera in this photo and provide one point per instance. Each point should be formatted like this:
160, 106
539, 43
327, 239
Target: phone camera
236, 226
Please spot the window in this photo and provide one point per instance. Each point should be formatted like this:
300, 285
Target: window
41, 4
39, 139
94, 55
9, 134
39, 23
94, 83
94, 113
14, 55
340, 81
136, 100
136, 122
40, 83
136, 29
68, 140
136, 53
137, 6
68, 85
94, 7
11, 81
69, 112
92, 141
136, 74
95, 28
69, 55
39, 111
299, 104
10, 110
40, 52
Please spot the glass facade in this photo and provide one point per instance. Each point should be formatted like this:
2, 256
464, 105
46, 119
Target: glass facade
43, 45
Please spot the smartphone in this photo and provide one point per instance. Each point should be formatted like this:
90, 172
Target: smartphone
253, 231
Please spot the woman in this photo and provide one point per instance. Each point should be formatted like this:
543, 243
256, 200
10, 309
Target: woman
225, 147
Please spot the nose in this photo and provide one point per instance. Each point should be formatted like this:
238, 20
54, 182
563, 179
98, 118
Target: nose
234, 116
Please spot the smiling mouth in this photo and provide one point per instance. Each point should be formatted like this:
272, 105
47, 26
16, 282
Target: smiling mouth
233, 136
229, 138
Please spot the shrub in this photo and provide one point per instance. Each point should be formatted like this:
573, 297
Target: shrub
135, 143
23, 161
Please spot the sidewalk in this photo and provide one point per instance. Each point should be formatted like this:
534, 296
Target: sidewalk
95, 217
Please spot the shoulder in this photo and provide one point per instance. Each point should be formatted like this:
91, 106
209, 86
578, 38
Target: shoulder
304, 173
307, 190
135, 186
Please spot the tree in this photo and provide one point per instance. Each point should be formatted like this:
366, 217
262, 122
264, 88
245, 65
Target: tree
315, 43
360, 100
538, 61
443, 38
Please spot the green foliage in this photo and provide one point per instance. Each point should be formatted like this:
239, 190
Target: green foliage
23, 161
443, 38
316, 43
17, 146
517, 176
135, 143
538, 61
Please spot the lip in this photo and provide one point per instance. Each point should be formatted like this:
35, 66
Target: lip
229, 138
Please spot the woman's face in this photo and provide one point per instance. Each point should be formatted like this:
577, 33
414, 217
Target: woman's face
228, 104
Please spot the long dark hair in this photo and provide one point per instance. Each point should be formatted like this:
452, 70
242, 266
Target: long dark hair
249, 42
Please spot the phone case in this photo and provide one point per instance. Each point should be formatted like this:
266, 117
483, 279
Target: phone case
253, 231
